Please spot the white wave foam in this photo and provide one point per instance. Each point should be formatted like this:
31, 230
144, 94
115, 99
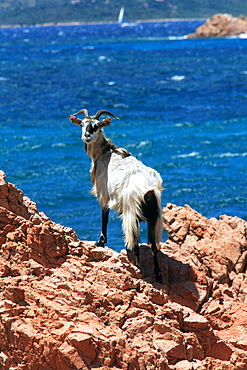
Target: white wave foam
192, 154
177, 78
58, 145
144, 143
228, 154
121, 105
89, 47
177, 38
184, 124
34, 147
101, 58
241, 36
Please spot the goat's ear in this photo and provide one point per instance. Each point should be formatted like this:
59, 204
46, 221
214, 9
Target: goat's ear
75, 120
105, 122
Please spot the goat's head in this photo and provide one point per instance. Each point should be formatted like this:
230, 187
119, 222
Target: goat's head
91, 126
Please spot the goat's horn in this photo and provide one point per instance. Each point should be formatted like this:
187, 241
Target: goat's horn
84, 111
100, 112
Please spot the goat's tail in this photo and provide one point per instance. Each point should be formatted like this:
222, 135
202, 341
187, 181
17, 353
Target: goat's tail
141, 206
152, 211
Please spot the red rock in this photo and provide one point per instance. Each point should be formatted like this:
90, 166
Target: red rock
183, 365
193, 347
85, 344
171, 348
217, 250
65, 304
221, 351
69, 358
221, 25
195, 321
14, 294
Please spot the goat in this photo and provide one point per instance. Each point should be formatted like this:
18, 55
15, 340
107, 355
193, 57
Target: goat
122, 182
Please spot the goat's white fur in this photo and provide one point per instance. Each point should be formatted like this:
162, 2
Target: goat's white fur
128, 181
120, 182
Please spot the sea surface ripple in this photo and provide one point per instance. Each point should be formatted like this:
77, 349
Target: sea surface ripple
182, 105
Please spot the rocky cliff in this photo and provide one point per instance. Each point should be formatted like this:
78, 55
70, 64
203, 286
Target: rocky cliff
221, 25
66, 305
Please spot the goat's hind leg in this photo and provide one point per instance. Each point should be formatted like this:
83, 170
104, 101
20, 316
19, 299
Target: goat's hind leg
152, 212
152, 241
103, 236
157, 272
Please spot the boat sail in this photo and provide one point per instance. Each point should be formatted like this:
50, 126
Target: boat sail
121, 19
121, 15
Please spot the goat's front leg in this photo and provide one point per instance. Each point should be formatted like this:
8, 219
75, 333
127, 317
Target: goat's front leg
103, 236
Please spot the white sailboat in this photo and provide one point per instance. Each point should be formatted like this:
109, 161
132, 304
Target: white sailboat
121, 15
121, 19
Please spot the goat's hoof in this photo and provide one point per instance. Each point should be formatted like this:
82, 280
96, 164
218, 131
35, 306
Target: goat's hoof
99, 244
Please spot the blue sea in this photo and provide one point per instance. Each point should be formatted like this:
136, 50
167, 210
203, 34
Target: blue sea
182, 104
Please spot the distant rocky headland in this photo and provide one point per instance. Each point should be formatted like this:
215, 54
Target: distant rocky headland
66, 304
221, 25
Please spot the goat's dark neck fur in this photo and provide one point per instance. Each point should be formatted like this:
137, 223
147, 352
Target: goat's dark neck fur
102, 146
101, 149
98, 148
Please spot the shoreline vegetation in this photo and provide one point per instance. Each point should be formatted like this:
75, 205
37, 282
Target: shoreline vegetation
51, 24
27, 13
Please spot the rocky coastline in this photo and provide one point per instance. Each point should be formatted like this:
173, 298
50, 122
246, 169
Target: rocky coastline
221, 25
66, 304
